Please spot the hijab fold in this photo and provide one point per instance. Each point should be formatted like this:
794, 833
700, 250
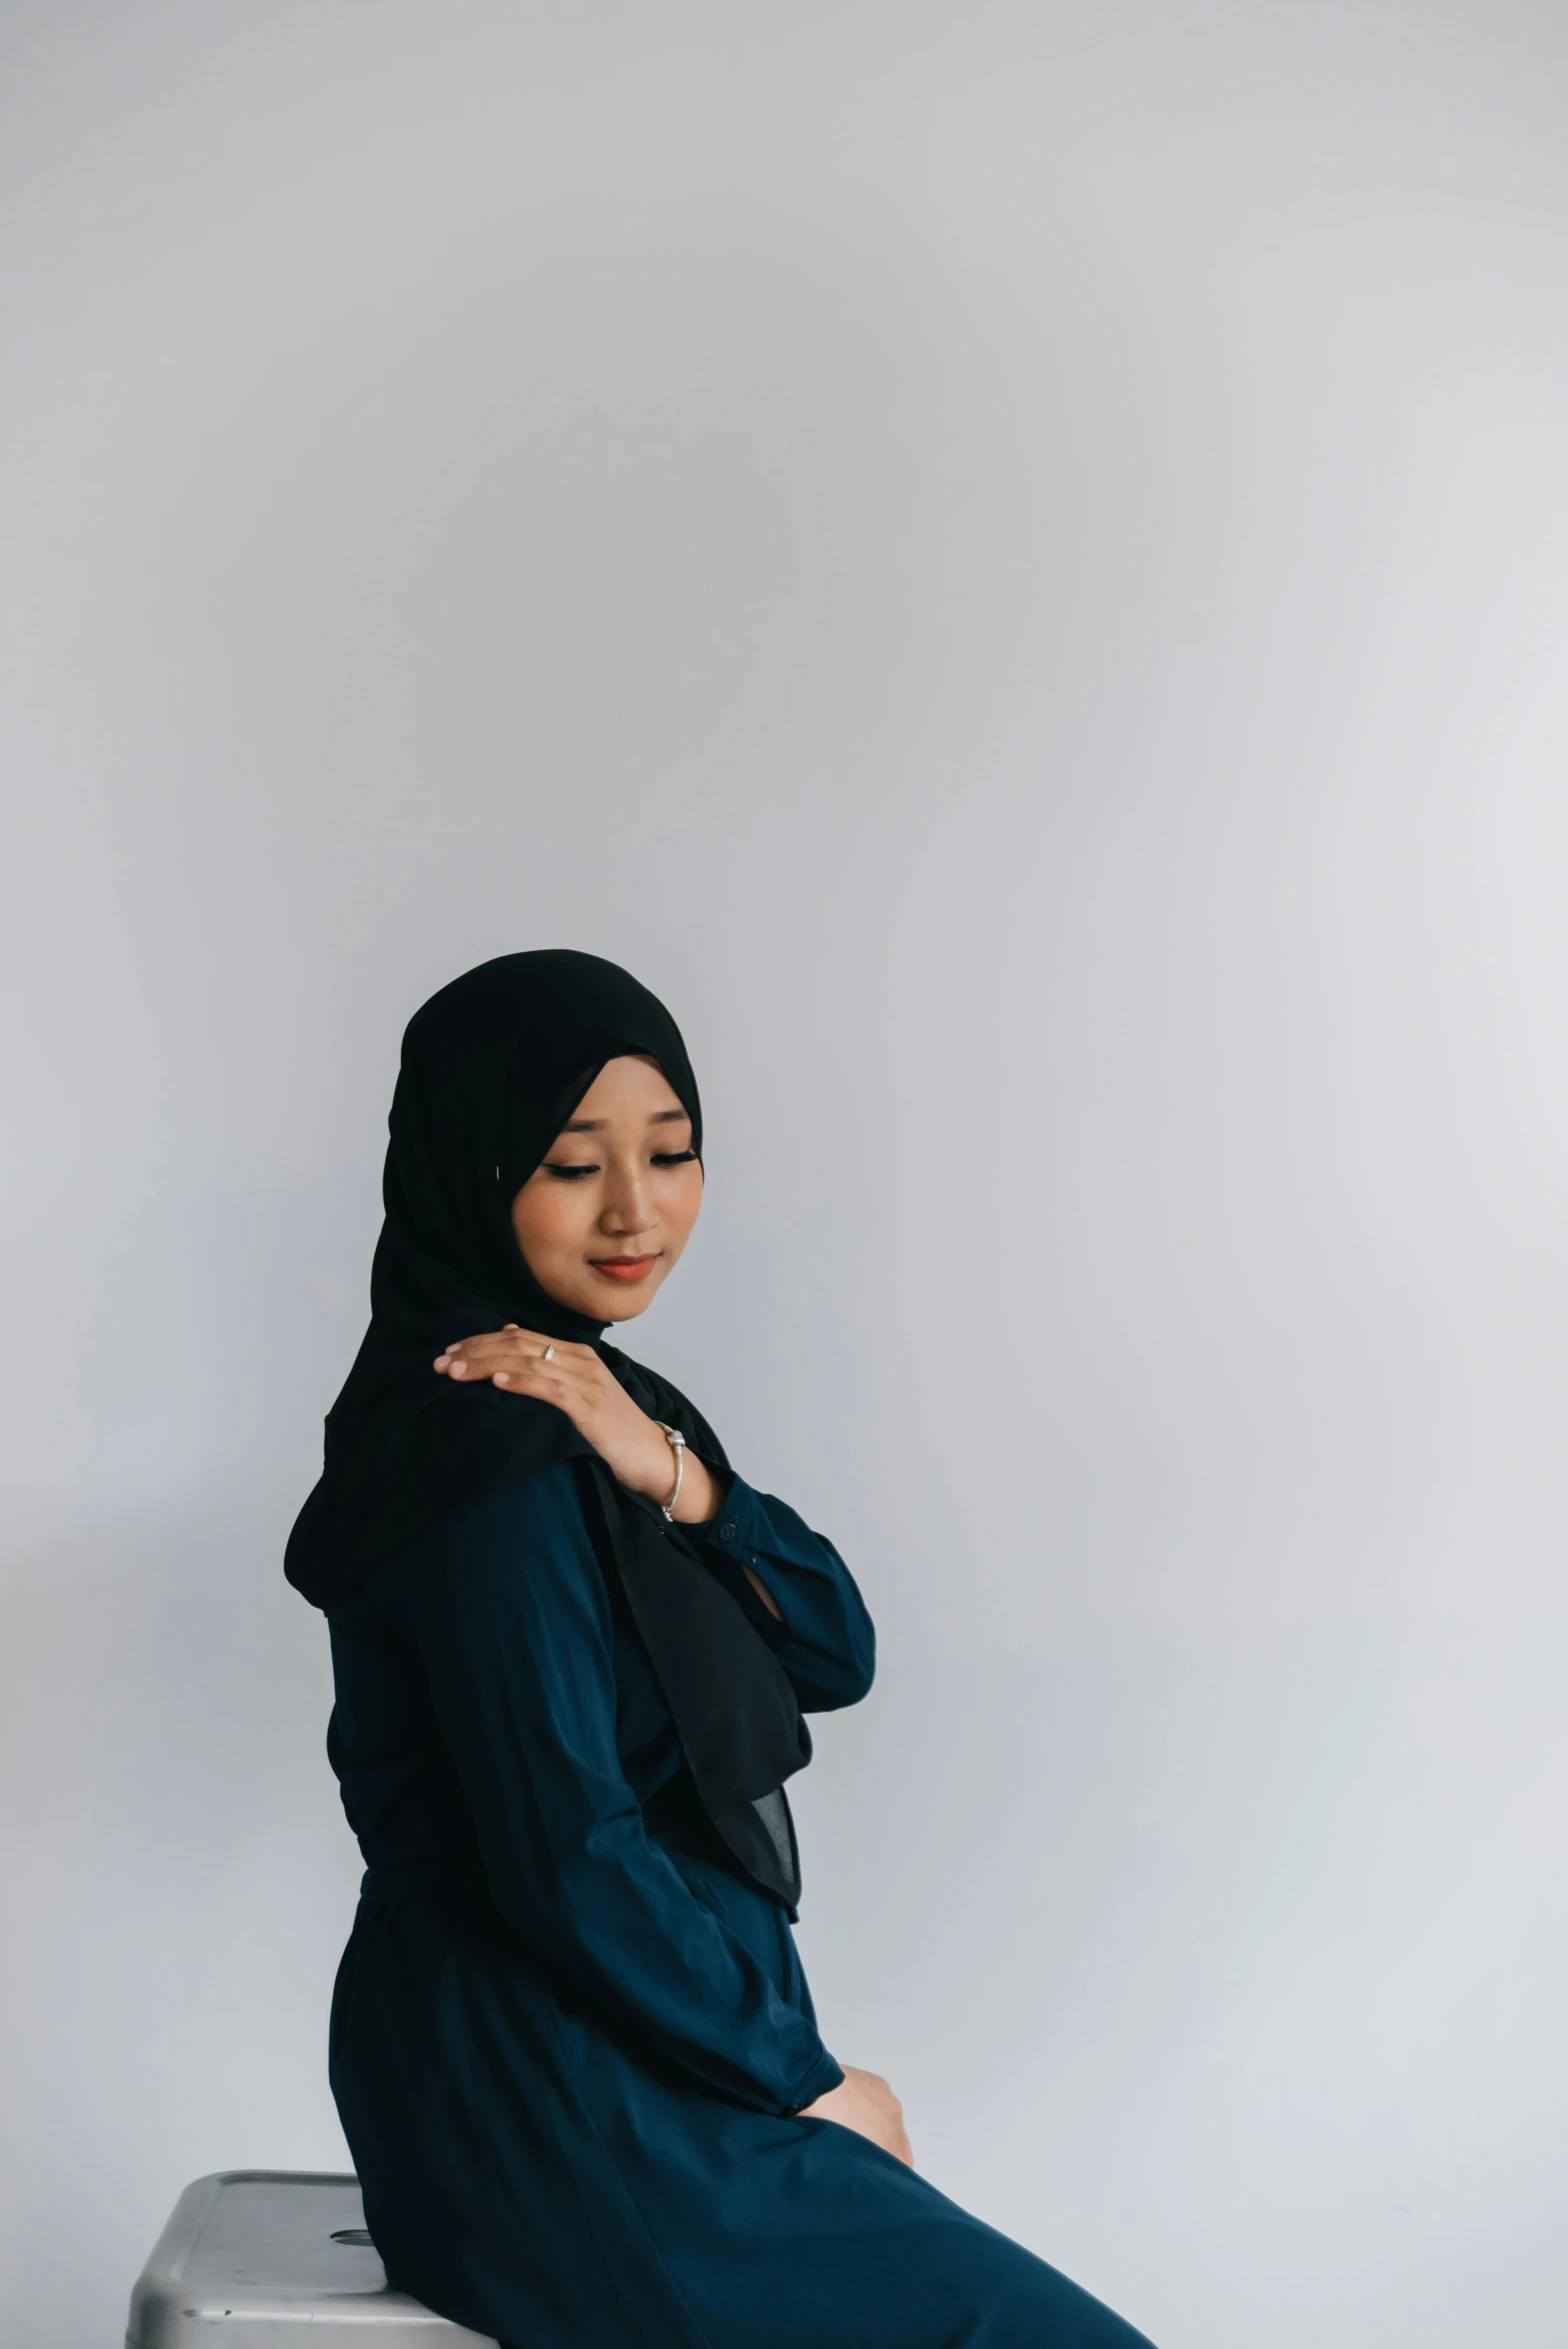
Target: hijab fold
492, 1068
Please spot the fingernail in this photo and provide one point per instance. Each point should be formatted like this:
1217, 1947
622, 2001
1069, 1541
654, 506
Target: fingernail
442, 1360
458, 1369
503, 1378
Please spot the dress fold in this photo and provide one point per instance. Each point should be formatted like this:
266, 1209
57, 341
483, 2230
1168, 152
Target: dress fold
569, 2038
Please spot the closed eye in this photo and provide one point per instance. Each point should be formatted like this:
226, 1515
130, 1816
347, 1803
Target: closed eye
578, 1174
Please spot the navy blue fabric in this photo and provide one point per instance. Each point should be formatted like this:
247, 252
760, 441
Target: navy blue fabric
568, 2036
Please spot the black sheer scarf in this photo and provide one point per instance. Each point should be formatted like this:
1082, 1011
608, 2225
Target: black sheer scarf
492, 1068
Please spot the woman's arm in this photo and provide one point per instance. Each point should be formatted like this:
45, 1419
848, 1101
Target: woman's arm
792, 1583
797, 1590
513, 1624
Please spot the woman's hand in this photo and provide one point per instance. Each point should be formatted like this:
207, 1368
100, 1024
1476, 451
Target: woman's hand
864, 2102
633, 1446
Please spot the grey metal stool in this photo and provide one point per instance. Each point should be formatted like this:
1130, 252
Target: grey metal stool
251, 2255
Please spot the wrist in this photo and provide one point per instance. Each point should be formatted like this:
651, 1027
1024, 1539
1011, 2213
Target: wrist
701, 1493
665, 1466
655, 1476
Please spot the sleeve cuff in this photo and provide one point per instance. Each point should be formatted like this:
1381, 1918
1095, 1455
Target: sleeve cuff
823, 2076
735, 1527
731, 1542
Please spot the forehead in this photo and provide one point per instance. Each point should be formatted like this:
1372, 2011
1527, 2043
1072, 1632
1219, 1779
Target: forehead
632, 1085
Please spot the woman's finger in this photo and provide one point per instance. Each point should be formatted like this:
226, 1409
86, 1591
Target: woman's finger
532, 1371
472, 1349
504, 1345
529, 1373
562, 1348
521, 1366
482, 1355
546, 1383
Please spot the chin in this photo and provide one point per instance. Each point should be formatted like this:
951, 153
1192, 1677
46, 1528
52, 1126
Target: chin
621, 1304
624, 1308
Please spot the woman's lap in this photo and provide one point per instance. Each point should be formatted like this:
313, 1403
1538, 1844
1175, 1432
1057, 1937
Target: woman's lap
825, 2240
492, 2125
848, 2248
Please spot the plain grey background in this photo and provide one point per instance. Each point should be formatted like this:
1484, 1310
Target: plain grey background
1011, 561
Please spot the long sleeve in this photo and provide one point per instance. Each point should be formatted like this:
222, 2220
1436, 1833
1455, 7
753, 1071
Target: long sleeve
823, 1635
513, 1624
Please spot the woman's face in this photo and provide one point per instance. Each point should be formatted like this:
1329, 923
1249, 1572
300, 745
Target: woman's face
603, 1219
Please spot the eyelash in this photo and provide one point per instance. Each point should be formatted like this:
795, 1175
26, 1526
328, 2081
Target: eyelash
575, 1174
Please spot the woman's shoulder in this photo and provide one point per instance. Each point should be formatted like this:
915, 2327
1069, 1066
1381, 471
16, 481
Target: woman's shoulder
542, 1510
537, 1517
518, 1556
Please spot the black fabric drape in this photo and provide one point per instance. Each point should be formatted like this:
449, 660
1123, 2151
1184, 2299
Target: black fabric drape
492, 1068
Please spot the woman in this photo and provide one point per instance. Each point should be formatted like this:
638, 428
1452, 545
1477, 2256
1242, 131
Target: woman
575, 2055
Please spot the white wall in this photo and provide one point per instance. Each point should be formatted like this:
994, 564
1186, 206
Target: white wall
1012, 561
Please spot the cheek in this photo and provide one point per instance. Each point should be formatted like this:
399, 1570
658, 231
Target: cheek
680, 1208
550, 1218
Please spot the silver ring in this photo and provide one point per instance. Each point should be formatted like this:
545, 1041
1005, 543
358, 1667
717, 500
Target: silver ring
548, 1355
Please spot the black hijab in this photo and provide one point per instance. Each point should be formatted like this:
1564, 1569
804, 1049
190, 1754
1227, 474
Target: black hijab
492, 1068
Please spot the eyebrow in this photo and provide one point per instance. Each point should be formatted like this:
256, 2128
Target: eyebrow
596, 1125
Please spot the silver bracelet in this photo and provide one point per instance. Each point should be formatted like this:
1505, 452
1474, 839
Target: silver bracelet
677, 1443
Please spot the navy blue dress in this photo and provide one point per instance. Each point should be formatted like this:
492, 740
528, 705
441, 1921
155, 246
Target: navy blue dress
568, 2038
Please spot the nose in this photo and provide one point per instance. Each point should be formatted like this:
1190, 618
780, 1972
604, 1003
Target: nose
628, 1203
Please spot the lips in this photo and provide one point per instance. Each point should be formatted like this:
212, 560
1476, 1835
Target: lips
624, 1268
